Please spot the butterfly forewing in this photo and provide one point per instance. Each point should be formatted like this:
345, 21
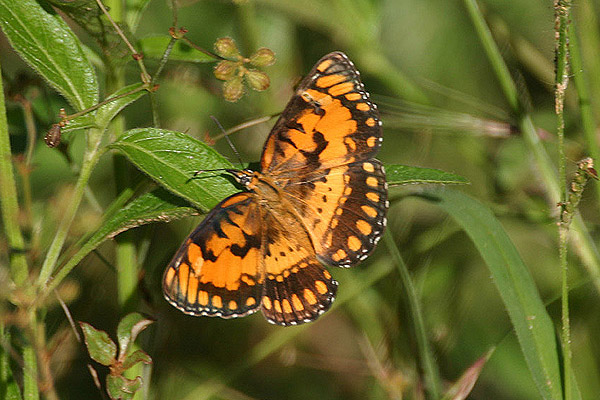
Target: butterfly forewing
217, 271
329, 121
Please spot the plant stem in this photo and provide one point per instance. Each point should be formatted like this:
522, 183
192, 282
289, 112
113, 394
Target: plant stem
30, 374
582, 241
9, 203
589, 33
432, 376
89, 161
126, 257
246, 17
38, 338
562, 17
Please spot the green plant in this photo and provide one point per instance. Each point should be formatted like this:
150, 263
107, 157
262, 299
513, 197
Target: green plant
48, 232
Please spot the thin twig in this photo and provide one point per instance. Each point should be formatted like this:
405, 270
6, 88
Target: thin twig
174, 8
106, 101
562, 16
136, 56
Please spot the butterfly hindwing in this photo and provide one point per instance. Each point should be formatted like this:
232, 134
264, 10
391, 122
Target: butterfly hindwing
297, 288
299, 294
344, 209
329, 121
216, 272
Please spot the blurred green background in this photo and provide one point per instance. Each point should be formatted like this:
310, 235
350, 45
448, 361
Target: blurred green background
442, 107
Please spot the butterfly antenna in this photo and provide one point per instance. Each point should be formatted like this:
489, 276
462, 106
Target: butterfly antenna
237, 154
201, 171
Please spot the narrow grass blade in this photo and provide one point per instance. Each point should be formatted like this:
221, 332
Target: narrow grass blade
105, 113
525, 308
430, 369
461, 389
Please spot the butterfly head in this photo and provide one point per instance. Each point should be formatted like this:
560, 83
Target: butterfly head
244, 177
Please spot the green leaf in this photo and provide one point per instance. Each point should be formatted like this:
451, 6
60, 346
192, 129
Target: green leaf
121, 388
519, 293
136, 357
129, 328
173, 158
100, 346
108, 111
155, 46
85, 121
47, 43
158, 205
9, 389
403, 174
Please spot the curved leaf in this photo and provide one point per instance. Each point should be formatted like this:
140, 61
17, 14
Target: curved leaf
120, 388
136, 357
129, 328
519, 293
47, 43
100, 346
173, 158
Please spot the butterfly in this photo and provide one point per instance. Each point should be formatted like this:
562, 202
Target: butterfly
320, 198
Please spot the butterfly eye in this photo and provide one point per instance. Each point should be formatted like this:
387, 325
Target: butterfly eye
243, 177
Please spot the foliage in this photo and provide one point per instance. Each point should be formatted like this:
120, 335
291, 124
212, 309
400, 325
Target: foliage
104, 351
123, 92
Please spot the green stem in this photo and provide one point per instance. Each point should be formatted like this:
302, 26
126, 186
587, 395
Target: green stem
8, 385
9, 203
583, 243
432, 375
30, 373
90, 159
85, 247
126, 257
589, 34
562, 15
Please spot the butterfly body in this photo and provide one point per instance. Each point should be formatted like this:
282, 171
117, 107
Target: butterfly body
319, 198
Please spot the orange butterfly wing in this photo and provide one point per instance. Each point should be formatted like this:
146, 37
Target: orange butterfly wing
329, 121
344, 209
217, 271
320, 151
255, 250
297, 288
